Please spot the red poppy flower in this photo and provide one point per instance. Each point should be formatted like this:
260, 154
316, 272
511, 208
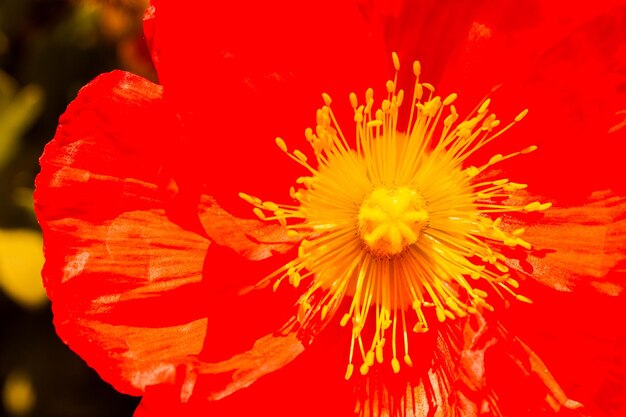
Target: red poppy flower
152, 261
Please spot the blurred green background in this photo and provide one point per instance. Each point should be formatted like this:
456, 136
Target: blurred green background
48, 50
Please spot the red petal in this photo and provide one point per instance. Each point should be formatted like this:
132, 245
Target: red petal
565, 63
429, 31
242, 73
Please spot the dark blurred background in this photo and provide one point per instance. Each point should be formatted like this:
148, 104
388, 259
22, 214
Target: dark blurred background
48, 50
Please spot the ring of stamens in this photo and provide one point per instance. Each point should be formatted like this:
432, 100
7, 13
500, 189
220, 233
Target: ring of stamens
398, 224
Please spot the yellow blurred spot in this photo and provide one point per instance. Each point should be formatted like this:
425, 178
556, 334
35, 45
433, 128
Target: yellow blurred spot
21, 260
18, 394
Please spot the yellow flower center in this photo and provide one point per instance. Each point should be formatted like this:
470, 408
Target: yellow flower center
397, 224
391, 219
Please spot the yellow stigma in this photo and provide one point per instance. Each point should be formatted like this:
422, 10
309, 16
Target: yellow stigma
391, 219
396, 226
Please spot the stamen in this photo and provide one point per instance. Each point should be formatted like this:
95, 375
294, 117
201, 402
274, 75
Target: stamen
395, 222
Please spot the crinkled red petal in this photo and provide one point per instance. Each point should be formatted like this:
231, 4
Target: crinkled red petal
575, 248
115, 265
131, 287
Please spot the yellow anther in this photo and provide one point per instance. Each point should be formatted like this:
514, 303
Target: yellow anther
450, 99
268, 205
420, 328
349, 371
300, 155
353, 101
479, 293
432, 107
441, 315
390, 86
417, 69
520, 116
544, 206
395, 365
512, 282
396, 61
259, 213
327, 99
281, 144
495, 159
400, 98
374, 123
534, 206
364, 369
483, 107
419, 91
249, 199
408, 361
